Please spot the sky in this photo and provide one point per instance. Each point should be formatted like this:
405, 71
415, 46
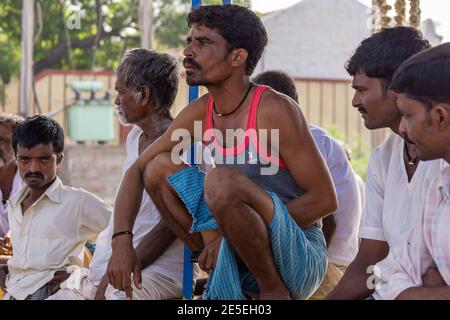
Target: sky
438, 10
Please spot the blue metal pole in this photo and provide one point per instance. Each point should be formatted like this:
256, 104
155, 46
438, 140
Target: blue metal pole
188, 272
196, 3
227, 1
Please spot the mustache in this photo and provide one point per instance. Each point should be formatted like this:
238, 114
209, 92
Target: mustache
406, 138
361, 109
34, 175
191, 62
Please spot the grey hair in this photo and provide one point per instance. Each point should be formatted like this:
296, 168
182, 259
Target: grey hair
158, 71
10, 118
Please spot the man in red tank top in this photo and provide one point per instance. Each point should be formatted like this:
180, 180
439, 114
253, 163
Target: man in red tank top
223, 47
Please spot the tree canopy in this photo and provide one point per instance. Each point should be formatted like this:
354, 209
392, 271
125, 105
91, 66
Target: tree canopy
107, 28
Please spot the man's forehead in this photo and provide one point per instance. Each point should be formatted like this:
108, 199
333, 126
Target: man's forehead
406, 103
120, 79
40, 149
360, 76
361, 79
202, 30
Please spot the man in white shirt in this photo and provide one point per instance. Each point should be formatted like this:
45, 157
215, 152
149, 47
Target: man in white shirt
147, 84
10, 181
50, 223
341, 228
392, 255
422, 84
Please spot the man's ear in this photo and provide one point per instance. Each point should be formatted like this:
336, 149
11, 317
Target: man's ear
59, 158
239, 57
440, 114
145, 95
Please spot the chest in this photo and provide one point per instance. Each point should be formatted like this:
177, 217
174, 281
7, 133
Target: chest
45, 220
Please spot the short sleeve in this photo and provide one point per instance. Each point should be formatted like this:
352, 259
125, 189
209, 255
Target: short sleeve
94, 217
372, 217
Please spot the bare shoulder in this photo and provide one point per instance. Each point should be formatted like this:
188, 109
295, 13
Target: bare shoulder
196, 108
277, 110
200, 103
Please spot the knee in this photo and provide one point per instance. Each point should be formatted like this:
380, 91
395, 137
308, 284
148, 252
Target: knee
222, 188
156, 172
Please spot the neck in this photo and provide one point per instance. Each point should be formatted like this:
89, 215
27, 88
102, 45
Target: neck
227, 95
396, 126
447, 157
154, 125
411, 152
37, 193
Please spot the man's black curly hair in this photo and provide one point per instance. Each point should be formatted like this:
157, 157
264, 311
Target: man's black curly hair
239, 26
380, 55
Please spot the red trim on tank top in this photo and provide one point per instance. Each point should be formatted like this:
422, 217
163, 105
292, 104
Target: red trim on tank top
250, 131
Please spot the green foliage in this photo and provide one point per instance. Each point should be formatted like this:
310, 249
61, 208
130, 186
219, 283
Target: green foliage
10, 23
120, 26
359, 151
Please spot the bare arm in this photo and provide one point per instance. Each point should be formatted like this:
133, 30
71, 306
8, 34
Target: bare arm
303, 159
154, 244
354, 283
151, 247
328, 228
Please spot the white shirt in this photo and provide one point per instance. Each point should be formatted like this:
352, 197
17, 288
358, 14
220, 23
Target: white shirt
394, 213
170, 263
344, 244
361, 189
16, 185
51, 234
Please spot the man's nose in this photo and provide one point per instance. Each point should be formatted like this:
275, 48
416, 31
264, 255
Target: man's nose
188, 51
356, 101
35, 166
402, 127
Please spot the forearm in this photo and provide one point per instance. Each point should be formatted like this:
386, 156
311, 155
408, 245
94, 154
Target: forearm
309, 208
128, 199
329, 228
358, 281
353, 285
425, 293
154, 244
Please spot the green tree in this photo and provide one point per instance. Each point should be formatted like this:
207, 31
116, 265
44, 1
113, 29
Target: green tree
107, 26
107, 29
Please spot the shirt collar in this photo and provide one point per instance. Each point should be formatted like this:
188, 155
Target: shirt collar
52, 192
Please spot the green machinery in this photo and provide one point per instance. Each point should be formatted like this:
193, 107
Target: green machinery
90, 119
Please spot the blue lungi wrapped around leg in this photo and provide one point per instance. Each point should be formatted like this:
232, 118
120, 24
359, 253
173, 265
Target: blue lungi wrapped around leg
300, 255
